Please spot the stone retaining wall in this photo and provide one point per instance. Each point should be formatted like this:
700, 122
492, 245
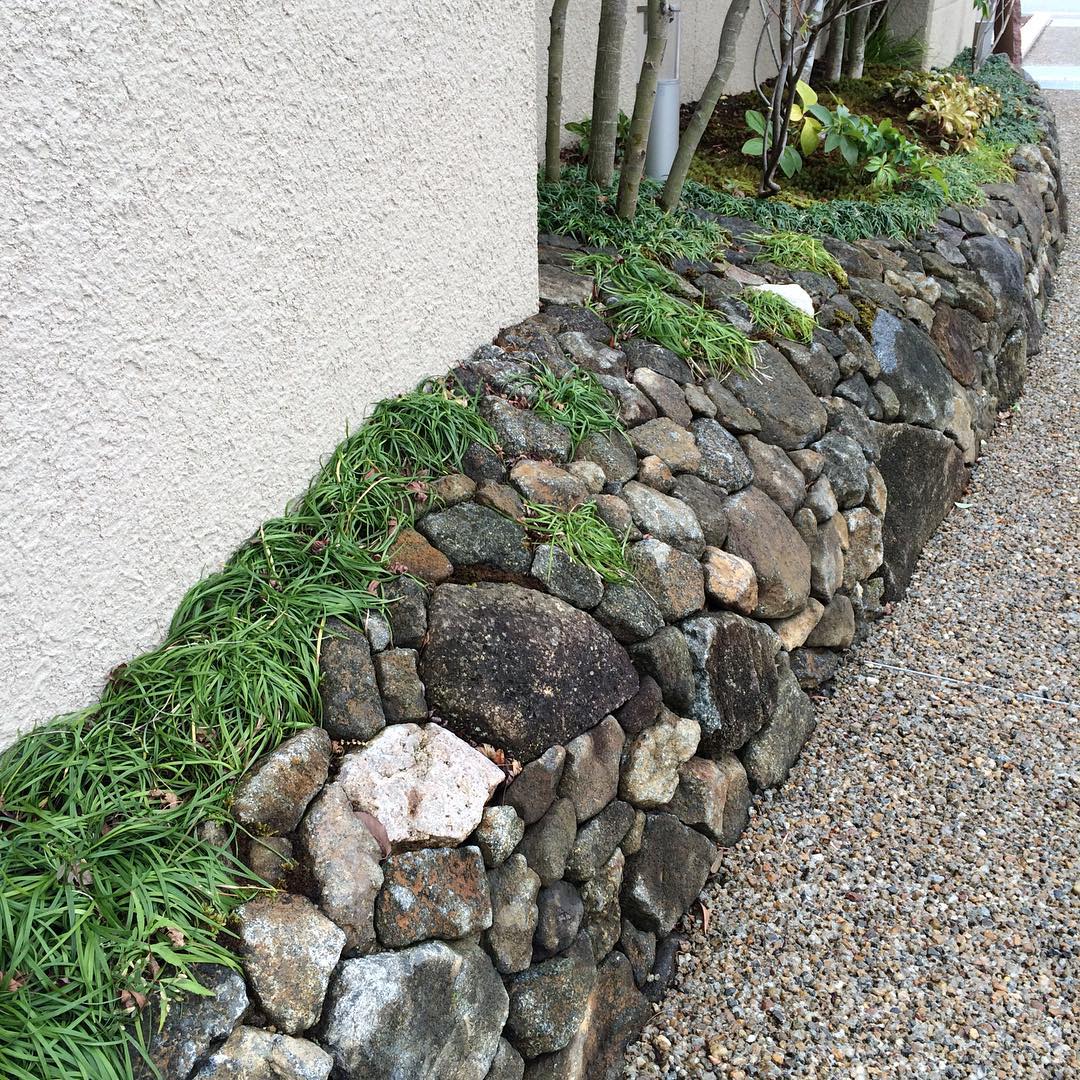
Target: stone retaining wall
524, 772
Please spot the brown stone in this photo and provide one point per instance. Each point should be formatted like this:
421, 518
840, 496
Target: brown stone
412, 554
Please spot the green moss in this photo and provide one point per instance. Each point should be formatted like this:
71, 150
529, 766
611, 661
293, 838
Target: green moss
867, 310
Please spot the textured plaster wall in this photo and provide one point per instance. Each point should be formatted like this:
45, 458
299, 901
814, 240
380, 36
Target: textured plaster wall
228, 228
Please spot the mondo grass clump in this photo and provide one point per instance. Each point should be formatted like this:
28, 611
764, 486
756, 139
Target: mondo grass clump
777, 317
574, 206
110, 896
797, 251
585, 537
638, 303
575, 401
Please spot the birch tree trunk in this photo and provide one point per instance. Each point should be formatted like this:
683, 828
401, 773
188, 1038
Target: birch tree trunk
691, 137
857, 44
556, 49
834, 51
633, 163
605, 110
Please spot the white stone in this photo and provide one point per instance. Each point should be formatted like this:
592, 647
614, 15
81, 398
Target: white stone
253, 1054
424, 784
795, 295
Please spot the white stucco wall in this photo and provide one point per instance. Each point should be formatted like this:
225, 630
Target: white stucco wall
229, 227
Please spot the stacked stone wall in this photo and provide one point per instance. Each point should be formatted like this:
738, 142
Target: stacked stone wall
524, 772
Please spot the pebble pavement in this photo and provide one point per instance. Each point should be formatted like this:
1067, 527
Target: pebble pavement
908, 904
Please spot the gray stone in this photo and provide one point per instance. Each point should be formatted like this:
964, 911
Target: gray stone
666, 657
857, 390
514, 888
770, 753
602, 920
343, 862
672, 578
271, 858
423, 784
666, 875
597, 840
568, 580
634, 407
561, 286
640, 949
273, 795
533, 790
253, 1054
641, 353
590, 777
713, 796
522, 433
707, 502
655, 474
794, 630
827, 559
590, 474
629, 612
613, 452
351, 706
473, 535
547, 844
541, 482
775, 474
735, 677
400, 685
508, 1064
665, 394
669, 441
548, 1002
808, 462
1010, 367
663, 517
999, 266
614, 1015
560, 912
592, 355
432, 1010
911, 366
848, 419
814, 667
642, 709
845, 468
815, 366
836, 627
193, 1023
432, 893
790, 415
865, 551
729, 410
289, 951
924, 473
499, 832
501, 498
700, 403
760, 533
723, 462
406, 610
650, 772
821, 499
519, 669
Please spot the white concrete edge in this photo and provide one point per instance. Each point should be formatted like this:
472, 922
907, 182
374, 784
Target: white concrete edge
1032, 30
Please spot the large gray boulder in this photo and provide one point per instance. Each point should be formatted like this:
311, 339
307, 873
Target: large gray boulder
735, 677
431, 1010
769, 753
911, 367
519, 669
924, 473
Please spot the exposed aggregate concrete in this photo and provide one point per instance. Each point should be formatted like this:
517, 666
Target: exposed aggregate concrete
908, 904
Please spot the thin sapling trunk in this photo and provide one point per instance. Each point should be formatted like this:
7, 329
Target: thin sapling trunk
605, 111
556, 50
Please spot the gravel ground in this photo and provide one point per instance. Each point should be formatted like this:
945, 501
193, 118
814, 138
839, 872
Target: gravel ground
909, 903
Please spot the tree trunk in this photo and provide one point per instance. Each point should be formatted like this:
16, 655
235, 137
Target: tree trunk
857, 52
691, 137
813, 18
834, 53
605, 110
633, 163
556, 48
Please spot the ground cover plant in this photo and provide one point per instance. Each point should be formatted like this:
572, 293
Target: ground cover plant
576, 401
776, 316
797, 251
112, 889
583, 535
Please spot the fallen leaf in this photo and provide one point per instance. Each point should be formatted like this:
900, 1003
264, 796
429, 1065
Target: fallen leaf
377, 829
